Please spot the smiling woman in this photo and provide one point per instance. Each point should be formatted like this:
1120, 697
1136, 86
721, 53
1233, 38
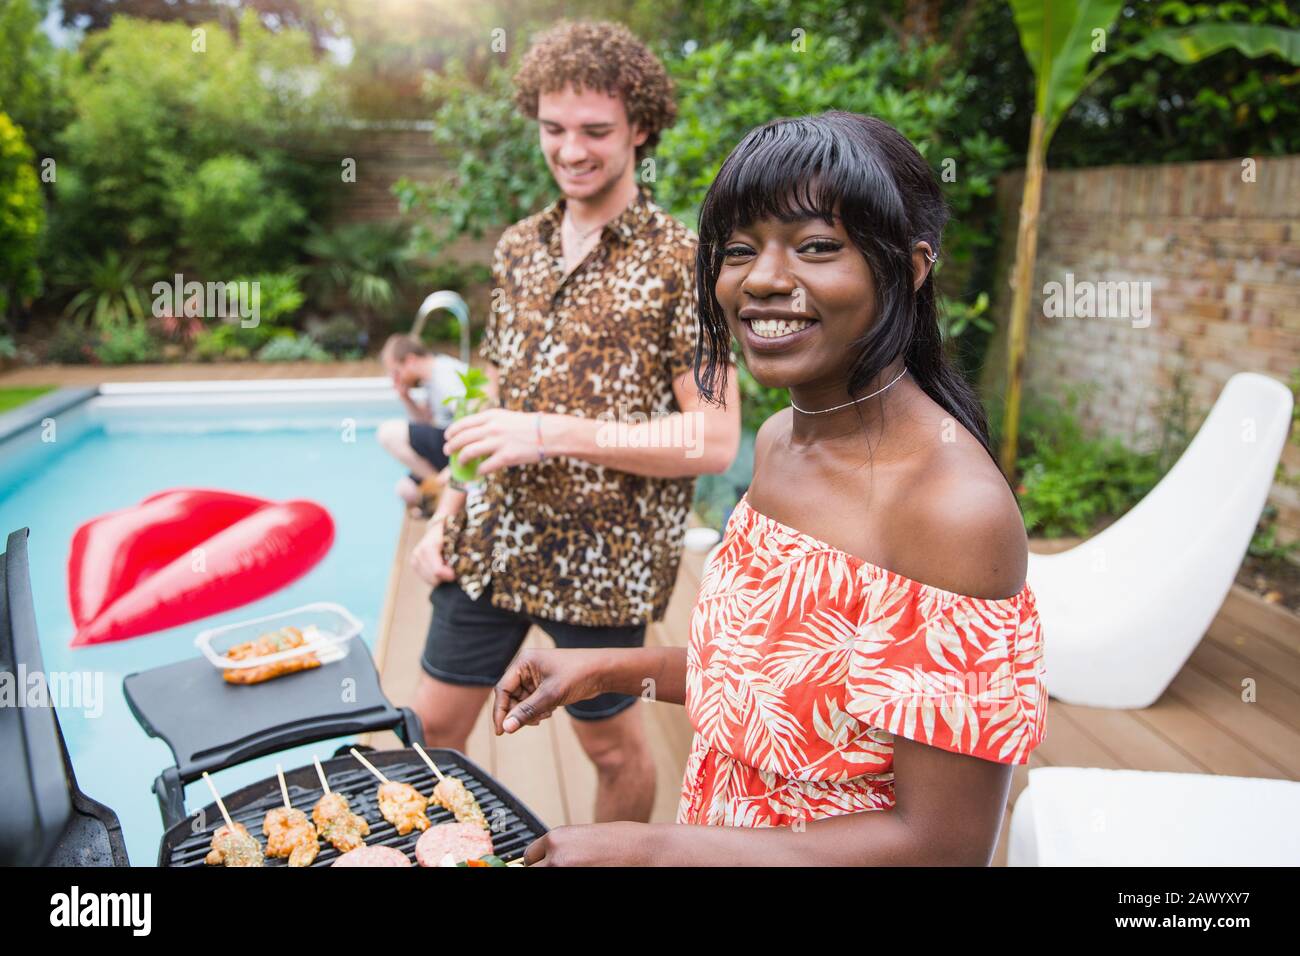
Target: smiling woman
863, 639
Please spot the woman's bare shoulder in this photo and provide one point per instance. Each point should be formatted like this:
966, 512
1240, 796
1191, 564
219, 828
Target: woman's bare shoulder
957, 526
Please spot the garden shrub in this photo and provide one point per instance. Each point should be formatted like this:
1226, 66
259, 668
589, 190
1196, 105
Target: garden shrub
126, 343
291, 347
366, 266
112, 289
33, 75
280, 294
152, 114
22, 217
280, 297
230, 341
1070, 481
233, 218
342, 335
71, 344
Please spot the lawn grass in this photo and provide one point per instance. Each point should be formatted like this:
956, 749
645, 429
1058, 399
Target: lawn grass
11, 398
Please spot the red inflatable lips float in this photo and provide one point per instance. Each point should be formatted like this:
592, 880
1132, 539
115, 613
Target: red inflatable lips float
141, 570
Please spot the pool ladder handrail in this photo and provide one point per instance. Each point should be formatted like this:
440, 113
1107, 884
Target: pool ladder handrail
453, 303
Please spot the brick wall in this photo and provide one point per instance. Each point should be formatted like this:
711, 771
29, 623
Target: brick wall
1222, 257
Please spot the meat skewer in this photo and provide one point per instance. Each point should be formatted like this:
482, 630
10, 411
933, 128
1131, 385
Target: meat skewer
400, 803
334, 818
288, 831
453, 795
232, 844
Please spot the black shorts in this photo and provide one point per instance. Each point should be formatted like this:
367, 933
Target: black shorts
426, 441
471, 642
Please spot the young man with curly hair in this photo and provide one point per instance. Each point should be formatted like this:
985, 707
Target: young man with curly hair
588, 462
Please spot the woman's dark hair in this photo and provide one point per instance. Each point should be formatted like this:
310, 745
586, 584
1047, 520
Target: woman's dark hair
888, 200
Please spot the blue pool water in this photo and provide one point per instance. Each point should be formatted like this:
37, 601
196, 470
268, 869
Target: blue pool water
106, 458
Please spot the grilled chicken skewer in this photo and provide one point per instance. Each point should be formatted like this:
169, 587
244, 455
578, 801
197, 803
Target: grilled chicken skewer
453, 795
232, 844
288, 831
400, 803
403, 806
335, 820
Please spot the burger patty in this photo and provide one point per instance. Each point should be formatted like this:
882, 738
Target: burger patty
464, 841
373, 856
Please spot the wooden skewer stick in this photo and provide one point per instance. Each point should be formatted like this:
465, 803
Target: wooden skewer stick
284, 790
367, 764
324, 784
432, 766
216, 796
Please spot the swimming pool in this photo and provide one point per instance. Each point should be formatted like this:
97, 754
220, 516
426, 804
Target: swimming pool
309, 439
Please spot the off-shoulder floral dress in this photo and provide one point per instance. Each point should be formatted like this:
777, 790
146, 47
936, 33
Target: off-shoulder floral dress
805, 662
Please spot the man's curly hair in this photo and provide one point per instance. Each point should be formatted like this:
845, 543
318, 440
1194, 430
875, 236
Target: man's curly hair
599, 56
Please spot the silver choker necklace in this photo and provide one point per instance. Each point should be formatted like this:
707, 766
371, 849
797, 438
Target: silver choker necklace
854, 402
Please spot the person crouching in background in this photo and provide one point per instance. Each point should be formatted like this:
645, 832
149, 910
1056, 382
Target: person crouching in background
417, 442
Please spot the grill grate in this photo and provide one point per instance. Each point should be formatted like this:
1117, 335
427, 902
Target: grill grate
513, 826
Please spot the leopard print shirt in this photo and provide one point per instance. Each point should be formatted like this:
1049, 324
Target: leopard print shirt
563, 539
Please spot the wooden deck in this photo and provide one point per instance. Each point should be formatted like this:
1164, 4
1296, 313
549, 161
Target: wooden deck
1200, 724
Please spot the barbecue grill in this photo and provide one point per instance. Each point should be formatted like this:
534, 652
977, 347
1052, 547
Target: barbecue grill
513, 826
211, 725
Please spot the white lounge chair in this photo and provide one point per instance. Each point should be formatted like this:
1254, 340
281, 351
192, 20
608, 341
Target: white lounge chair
1071, 816
1123, 611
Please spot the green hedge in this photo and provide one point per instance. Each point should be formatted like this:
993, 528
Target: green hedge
22, 217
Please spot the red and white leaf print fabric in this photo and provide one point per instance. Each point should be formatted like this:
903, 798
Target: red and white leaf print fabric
805, 662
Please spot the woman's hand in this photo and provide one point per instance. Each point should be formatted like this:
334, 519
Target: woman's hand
543, 679
597, 844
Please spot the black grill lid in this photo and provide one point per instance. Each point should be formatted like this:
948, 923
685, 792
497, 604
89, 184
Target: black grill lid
45, 819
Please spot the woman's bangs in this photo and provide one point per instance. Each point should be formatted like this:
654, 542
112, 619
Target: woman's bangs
772, 175
792, 170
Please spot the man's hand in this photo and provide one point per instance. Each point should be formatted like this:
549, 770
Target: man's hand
414, 410
426, 557
502, 438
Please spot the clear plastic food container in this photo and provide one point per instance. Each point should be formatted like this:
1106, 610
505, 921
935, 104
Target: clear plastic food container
326, 629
